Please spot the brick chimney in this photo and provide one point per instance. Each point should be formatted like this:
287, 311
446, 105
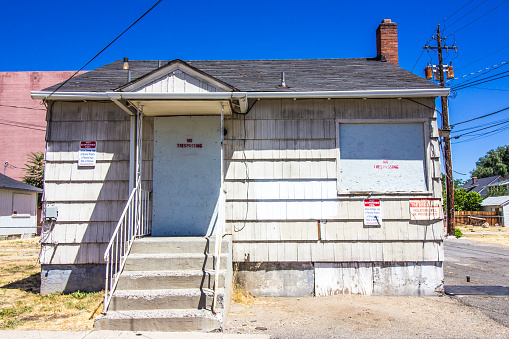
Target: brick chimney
387, 41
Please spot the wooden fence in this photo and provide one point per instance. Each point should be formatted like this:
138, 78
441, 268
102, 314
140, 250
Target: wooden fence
477, 218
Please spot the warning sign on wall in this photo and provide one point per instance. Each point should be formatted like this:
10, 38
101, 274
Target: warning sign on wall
87, 153
372, 212
425, 209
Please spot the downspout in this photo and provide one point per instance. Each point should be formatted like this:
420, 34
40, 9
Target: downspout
132, 153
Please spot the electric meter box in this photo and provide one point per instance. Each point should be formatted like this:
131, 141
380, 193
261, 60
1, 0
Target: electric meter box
51, 212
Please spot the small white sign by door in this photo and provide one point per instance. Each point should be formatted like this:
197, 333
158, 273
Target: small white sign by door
87, 153
372, 212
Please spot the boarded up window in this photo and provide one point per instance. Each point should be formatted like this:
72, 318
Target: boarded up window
382, 158
22, 203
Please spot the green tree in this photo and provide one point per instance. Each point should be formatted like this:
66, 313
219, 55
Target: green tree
34, 172
464, 201
495, 162
497, 191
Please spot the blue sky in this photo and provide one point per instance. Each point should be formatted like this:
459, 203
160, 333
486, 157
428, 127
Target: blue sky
64, 35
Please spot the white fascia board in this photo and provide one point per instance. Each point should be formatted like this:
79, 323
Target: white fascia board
70, 95
399, 93
243, 96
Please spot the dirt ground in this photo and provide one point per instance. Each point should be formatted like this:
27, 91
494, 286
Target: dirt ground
347, 316
21, 305
490, 235
23, 308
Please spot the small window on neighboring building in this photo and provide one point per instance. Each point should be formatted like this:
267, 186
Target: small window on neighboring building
381, 157
22, 204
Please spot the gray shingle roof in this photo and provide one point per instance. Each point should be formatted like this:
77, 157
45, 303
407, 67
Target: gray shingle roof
8, 183
265, 75
496, 201
480, 184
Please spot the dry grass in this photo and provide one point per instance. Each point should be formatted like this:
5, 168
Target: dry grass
241, 296
491, 235
21, 305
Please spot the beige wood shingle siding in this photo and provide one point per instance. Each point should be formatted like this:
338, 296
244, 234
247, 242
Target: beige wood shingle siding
90, 200
280, 162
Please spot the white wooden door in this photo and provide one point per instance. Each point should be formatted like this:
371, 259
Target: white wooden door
187, 174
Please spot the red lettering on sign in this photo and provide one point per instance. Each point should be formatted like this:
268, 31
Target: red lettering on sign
189, 145
189, 140
386, 166
371, 203
88, 144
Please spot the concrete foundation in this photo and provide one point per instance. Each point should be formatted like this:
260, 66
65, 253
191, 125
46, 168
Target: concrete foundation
276, 279
323, 279
71, 278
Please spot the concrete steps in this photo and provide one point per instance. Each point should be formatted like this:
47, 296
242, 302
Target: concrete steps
152, 280
160, 320
167, 285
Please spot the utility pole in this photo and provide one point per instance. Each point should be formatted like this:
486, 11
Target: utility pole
446, 129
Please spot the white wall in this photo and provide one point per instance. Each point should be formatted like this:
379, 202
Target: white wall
20, 223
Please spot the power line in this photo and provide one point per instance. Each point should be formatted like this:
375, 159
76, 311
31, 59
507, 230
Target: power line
37, 109
484, 135
419, 58
473, 62
471, 83
467, 13
95, 56
477, 126
480, 16
482, 116
485, 70
22, 123
27, 127
481, 129
432, 108
456, 11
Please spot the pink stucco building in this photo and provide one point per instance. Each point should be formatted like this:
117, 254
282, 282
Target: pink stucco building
22, 120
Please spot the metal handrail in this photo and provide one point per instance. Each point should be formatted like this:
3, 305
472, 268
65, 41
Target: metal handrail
219, 237
134, 222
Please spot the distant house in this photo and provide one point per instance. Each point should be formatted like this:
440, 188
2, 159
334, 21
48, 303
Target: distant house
18, 208
484, 185
23, 126
498, 204
322, 180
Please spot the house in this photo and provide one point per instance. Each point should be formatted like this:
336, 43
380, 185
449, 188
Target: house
482, 185
498, 204
23, 120
310, 177
18, 208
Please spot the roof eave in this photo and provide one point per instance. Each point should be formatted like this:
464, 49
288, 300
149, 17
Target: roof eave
385, 93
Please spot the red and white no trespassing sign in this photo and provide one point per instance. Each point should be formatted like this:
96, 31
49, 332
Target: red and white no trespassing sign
425, 209
87, 153
372, 212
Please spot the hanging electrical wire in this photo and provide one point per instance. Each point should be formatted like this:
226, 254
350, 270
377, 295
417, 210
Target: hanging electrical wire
471, 83
12, 106
447, 18
477, 126
484, 57
20, 126
480, 117
459, 29
482, 71
95, 56
473, 9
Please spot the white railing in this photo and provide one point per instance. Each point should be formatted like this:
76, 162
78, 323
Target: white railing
219, 237
220, 229
133, 223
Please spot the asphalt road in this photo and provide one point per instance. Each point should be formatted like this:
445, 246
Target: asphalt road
488, 268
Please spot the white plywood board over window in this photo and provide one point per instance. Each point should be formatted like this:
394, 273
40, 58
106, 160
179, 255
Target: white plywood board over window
388, 157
